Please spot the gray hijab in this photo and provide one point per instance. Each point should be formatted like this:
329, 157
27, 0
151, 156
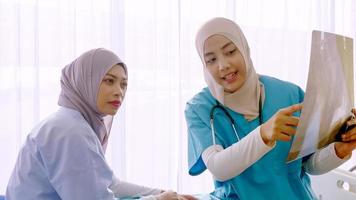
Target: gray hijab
80, 82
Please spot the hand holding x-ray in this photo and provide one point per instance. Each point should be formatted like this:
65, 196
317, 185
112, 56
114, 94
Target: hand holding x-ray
346, 137
329, 94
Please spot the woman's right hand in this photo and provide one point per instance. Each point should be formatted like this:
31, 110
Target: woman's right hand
281, 126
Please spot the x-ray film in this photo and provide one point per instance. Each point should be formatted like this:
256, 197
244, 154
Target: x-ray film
329, 94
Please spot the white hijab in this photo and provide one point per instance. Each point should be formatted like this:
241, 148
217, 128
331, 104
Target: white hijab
245, 100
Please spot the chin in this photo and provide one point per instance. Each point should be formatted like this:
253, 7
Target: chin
227, 90
230, 89
236, 87
110, 112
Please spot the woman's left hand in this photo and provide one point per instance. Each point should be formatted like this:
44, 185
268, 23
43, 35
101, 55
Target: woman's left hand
348, 143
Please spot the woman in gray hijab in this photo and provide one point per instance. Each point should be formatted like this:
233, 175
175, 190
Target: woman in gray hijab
63, 156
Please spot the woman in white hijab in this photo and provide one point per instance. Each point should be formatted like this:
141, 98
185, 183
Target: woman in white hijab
63, 156
240, 127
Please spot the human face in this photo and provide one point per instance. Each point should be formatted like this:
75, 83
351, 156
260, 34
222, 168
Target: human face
112, 90
225, 63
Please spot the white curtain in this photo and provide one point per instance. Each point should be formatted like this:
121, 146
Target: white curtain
156, 40
37, 39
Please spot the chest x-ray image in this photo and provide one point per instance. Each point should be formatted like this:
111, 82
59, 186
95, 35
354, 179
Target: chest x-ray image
329, 94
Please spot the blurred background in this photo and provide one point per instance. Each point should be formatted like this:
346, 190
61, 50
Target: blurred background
156, 39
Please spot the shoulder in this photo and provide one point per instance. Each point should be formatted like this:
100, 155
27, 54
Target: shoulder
203, 98
282, 93
64, 126
271, 81
281, 85
200, 104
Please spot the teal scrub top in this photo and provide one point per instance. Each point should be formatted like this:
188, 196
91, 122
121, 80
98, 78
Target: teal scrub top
268, 178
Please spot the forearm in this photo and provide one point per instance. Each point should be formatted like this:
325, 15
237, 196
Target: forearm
324, 160
227, 163
150, 197
124, 189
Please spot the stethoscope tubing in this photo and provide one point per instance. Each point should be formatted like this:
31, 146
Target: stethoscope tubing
232, 121
219, 106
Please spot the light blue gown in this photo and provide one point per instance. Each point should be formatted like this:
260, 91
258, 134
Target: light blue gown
62, 159
268, 178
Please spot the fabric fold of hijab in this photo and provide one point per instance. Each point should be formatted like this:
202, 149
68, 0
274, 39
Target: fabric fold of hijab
246, 100
80, 83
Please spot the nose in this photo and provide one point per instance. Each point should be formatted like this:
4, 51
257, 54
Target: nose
223, 64
119, 91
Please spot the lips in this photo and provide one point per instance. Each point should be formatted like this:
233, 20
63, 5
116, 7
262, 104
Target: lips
230, 77
115, 103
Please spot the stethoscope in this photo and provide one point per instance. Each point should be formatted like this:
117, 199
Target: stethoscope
232, 121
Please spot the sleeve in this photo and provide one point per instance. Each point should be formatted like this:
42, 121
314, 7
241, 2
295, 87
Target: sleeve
202, 152
227, 163
301, 94
150, 197
76, 165
323, 160
122, 189
199, 138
